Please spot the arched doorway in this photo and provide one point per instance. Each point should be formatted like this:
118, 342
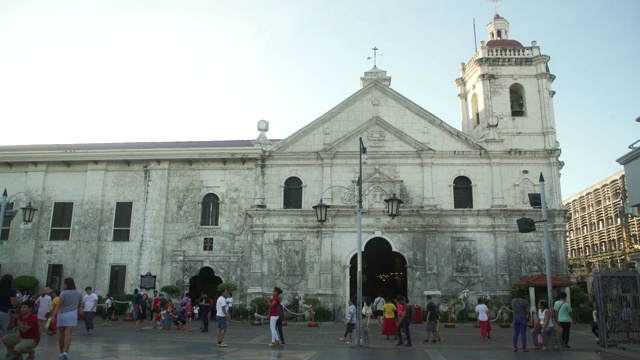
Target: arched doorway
384, 271
205, 280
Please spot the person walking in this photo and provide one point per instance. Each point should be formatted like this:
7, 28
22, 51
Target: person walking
389, 324
108, 309
520, 308
483, 318
43, 305
53, 327
279, 322
543, 326
564, 315
486, 302
594, 324
8, 300
367, 312
89, 305
378, 303
432, 317
274, 303
67, 315
405, 321
351, 323
222, 316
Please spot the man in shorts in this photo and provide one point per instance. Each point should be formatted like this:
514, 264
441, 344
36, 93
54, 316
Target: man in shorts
28, 335
222, 316
432, 317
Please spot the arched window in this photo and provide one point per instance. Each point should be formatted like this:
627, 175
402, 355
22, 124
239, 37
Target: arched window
462, 193
475, 113
516, 97
293, 193
210, 210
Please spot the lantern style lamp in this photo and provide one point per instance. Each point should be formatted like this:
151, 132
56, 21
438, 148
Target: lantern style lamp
393, 206
28, 212
321, 211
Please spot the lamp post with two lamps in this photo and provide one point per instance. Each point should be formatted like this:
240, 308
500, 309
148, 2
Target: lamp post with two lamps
393, 209
27, 212
525, 225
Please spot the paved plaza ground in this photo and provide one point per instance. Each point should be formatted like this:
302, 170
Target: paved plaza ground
120, 341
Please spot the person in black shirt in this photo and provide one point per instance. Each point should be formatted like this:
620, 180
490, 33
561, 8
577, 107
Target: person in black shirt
205, 307
432, 316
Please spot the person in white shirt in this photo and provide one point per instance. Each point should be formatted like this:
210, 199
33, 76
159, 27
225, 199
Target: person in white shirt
378, 303
230, 306
483, 318
89, 305
222, 316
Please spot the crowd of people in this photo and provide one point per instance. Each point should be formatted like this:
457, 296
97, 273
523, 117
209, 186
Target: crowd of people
23, 319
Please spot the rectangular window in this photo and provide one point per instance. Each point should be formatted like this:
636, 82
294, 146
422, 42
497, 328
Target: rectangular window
122, 221
61, 221
117, 279
6, 224
54, 276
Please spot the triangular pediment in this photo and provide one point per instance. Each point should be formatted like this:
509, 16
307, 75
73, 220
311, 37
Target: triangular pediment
378, 134
377, 106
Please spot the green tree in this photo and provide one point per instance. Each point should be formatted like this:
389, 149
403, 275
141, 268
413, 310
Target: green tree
171, 290
25, 283
228, 286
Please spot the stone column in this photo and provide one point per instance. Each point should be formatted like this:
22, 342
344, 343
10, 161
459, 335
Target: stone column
256, 258
326, 261
427, 181
498, 198
155, 216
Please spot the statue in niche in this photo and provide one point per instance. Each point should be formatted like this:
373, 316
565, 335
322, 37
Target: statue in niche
526, 187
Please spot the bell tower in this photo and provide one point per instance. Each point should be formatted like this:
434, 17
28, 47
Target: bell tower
505, 93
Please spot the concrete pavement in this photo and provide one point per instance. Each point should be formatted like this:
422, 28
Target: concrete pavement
244, 341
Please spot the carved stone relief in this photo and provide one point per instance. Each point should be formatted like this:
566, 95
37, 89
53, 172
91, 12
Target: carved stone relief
291, 262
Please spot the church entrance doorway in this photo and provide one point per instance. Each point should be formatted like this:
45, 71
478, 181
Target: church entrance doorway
205, 280
384, 271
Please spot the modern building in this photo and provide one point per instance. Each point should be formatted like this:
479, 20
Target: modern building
601, 231
194, 214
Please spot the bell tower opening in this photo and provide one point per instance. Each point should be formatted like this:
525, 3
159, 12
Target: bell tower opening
384, 271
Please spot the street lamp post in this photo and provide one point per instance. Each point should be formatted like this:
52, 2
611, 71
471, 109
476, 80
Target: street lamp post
363, 156
526, 225
547, 245
27, 212
393, 210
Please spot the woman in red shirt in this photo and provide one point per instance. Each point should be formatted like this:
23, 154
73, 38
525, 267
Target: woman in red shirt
273, 315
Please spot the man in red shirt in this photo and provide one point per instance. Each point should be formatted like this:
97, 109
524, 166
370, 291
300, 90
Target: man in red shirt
27, 323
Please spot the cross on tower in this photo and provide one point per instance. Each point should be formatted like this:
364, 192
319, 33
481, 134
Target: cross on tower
375, 55
495, 5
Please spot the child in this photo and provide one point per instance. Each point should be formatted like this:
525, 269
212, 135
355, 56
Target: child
190, 315
157, 321
166, 318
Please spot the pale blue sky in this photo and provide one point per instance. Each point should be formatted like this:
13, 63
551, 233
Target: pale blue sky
122, 71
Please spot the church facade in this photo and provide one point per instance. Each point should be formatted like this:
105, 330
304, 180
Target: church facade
194, 214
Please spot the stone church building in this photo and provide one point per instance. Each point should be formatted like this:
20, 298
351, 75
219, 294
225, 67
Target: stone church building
194, 214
